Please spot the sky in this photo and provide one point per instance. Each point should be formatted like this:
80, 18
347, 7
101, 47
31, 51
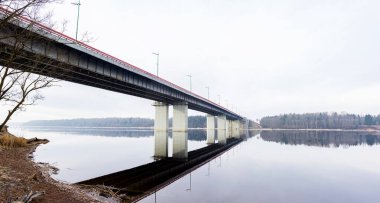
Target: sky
262, 57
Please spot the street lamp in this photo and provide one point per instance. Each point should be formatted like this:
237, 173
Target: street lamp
219, 99
158, 58
208, 92
191, 89
78, 4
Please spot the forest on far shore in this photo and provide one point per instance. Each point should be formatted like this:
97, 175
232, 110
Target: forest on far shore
193, 122
321, 121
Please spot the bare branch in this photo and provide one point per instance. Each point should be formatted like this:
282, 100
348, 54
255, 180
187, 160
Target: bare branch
87, 38
22, 75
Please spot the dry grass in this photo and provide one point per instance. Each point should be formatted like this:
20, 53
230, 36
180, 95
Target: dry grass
7, 140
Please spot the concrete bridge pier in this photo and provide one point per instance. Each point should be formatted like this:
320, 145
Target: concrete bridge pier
244, 125
236, 129
222, 129
227, 129
180, 130
230, 128
210, 129
161, 125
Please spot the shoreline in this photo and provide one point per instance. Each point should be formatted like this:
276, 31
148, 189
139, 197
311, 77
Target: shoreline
20, 176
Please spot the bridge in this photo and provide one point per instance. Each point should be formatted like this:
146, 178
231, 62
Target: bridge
51, 53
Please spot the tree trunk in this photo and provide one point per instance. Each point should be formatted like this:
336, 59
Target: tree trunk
3, 130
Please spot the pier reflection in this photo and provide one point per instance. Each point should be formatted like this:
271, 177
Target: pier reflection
141, 181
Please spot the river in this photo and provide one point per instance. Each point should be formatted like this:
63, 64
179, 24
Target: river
268, 166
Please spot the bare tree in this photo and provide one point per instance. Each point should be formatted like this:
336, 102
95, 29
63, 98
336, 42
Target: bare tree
22, 76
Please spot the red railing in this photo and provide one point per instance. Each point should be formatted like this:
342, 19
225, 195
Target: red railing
88, 47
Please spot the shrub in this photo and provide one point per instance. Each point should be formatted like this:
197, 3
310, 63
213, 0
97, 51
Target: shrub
12, 141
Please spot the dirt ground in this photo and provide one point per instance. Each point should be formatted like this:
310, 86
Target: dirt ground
19, 176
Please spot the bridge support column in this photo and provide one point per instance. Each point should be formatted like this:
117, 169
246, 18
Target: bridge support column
222, 129
210, 129
232, 128
180, 133
228, 128
161, 125
236, 129
244, 125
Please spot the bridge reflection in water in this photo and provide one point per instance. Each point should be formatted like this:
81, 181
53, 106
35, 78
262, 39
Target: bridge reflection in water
139, 182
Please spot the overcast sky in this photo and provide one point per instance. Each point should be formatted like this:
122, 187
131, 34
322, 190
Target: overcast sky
262, 57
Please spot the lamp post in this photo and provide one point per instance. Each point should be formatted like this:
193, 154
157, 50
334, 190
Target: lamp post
208, 92
158, 59
78, 4
191, 89
219, 99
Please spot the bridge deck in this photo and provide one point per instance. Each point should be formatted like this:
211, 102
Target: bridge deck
48, 52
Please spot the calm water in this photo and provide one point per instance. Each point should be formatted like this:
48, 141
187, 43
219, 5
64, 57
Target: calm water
84, 153
267, 167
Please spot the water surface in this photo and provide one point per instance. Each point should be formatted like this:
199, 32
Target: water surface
273, 166
84, 153
286, 167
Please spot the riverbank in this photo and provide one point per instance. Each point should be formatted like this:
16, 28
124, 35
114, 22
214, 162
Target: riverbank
20, 177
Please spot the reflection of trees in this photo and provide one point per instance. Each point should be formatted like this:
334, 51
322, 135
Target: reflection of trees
252, 133
320, 138
197, 135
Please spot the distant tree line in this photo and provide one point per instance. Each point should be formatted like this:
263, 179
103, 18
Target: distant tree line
194, 122
320, 121
253, 124
95, 122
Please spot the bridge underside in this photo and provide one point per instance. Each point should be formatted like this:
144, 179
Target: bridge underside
56, 69
59, 58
